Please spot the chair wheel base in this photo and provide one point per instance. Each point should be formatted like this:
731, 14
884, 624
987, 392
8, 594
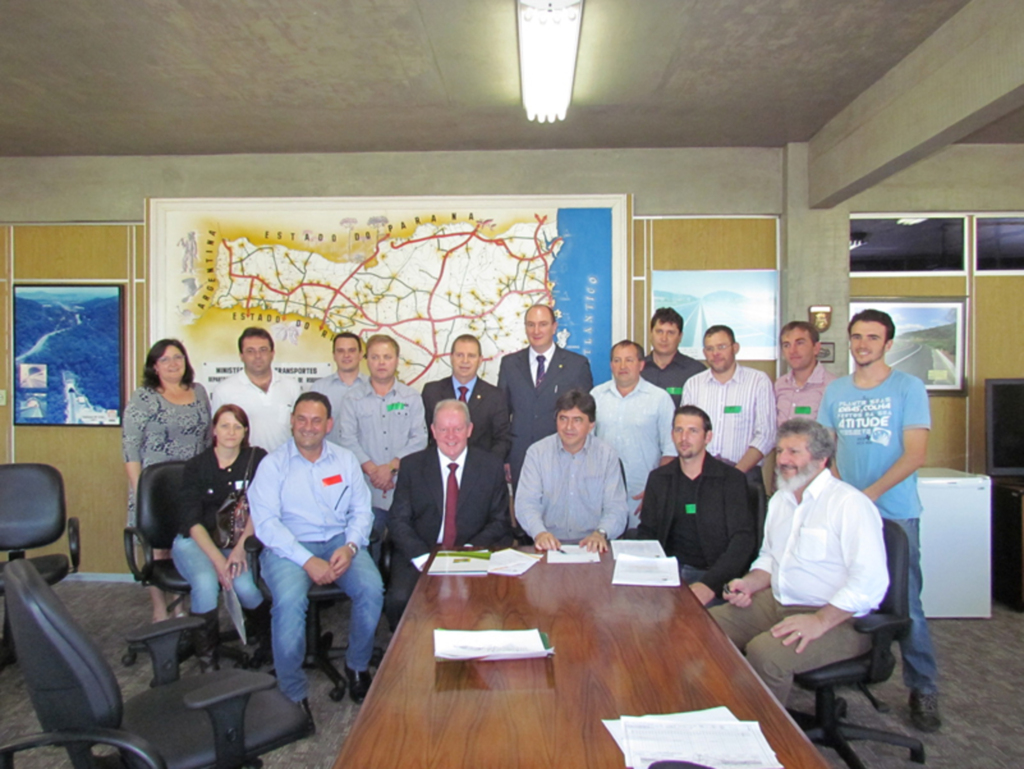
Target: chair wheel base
337, 694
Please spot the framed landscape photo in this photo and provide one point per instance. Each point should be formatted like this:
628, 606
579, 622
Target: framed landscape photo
929, 341
67, 355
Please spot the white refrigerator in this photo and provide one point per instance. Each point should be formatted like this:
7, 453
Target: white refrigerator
956, 554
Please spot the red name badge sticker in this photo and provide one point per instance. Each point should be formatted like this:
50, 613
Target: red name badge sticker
333, 480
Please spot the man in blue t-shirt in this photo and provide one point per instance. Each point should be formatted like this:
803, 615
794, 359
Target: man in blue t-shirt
881, 421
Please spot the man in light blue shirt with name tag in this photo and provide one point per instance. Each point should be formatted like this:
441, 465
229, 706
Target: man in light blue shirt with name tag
311, 509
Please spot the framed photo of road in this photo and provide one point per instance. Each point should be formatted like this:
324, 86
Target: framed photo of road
929, 341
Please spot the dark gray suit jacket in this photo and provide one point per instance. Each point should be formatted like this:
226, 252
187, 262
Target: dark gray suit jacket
488, 411
533, 408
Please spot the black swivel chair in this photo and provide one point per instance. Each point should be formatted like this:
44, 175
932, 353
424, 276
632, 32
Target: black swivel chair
223, 719
757, 502
157, 522
32, 514
889, 623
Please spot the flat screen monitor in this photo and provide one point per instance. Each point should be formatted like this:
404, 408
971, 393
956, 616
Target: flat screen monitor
1004, 426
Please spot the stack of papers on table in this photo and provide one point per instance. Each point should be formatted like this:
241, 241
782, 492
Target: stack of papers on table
573, 554
464, 562
714, 738
648, 572
648, 548
511, 563
490, 645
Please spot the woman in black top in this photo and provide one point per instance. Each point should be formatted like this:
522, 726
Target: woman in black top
207, 481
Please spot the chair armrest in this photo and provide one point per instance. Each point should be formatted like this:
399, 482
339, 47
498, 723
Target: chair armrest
253, 548
133, 536
162, 640
875, 624
224, 701
227, 687
142, 752
74, 543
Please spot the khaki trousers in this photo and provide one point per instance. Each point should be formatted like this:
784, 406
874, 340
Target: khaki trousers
776, 664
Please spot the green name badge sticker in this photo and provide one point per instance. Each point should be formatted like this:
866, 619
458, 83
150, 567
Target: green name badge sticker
803, 410
691, 509
397, 406
674, 390
733, 409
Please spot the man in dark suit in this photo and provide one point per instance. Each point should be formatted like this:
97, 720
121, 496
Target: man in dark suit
488, 409
532, 379
450, 496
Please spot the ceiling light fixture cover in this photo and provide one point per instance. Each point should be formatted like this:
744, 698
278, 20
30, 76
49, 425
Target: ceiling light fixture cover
549, 36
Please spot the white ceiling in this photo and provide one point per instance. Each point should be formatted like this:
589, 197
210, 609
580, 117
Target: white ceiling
171, 77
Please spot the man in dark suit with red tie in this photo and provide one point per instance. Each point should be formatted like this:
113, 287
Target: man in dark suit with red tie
533, 378
448, 496
488, 408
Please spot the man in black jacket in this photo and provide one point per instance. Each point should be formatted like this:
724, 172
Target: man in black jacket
697, 508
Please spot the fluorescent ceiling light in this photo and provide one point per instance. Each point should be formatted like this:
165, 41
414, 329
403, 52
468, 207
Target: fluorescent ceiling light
549, 35
910, 222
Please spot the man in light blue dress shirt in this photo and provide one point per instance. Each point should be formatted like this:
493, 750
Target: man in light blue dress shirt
347, 349
311, 509
635, 417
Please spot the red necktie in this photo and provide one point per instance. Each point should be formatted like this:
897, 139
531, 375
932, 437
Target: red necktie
462, 393
451, 503
540, 369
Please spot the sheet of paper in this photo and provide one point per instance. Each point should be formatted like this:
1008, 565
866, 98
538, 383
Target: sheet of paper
234, 607
647, 548
511, 563
573, 554
617, 730
420, 561
739, 745
489, 645
464, 562
648, 572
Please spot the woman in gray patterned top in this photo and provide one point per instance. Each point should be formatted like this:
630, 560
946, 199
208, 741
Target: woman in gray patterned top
167, 418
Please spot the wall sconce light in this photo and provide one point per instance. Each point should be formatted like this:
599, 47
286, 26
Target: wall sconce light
549, 36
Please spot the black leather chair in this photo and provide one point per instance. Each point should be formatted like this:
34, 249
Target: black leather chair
157, 522
888, 624
757, 502
33, 514
223, 719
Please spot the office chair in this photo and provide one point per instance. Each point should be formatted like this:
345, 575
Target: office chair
320, 649
157, 522
32, 514
78, 702
889, 623
757, 502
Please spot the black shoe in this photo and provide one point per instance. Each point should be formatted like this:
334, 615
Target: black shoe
309, 714
358, 683
924, 711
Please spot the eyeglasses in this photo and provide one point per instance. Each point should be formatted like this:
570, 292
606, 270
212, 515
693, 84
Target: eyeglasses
171, 359
718, 348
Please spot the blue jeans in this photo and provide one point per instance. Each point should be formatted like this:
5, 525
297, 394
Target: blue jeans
920, 671
289, 585
194, 565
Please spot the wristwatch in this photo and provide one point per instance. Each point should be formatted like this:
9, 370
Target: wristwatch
353, 547
603, 533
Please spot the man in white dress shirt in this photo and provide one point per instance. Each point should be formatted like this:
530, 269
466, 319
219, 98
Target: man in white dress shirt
266, 396
821, 565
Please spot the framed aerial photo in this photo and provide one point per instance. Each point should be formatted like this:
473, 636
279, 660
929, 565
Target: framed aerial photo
67, 355
929, 341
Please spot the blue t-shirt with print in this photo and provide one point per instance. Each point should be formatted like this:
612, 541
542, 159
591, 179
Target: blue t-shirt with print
869, 425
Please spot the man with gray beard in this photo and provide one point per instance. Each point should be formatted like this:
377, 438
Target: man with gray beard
821, 565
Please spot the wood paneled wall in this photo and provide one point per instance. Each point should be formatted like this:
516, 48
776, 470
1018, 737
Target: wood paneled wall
89, 458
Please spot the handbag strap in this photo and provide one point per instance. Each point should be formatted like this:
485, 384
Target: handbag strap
248, 468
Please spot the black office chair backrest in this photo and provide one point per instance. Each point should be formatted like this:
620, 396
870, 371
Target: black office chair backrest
32, 511
158, 508
897, 556
70, 683
757, 504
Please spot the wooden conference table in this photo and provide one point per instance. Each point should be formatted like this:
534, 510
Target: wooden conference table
618, 651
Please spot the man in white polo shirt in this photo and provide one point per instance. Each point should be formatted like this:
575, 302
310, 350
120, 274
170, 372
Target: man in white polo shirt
266, 397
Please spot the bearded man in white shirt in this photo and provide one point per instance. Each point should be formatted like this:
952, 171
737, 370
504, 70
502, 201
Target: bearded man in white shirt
821, 565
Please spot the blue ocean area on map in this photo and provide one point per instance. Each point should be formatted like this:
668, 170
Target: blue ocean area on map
582, 275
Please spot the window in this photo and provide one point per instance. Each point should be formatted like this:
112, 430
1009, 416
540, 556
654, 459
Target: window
1000, 243
907, 244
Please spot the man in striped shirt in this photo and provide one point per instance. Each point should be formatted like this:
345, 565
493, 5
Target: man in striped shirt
740, 402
